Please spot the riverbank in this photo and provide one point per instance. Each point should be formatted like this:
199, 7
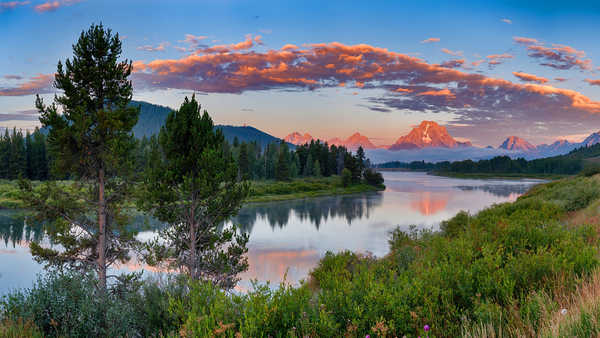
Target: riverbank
260, 191
508, 176
270, 191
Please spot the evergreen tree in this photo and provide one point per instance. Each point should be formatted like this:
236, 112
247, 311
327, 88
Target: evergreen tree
244, 162
4, 154
295, 166
193, 187
308, 167
317, 169
18, 161
30, 171
283, 162
92, 141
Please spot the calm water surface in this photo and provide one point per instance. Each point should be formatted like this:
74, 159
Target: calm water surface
291, 236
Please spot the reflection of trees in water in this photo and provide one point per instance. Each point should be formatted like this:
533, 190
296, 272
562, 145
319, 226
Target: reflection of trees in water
315, 210
14, 229
501, 190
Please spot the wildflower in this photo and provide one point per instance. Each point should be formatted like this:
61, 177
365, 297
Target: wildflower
426, 327
367, 336
563, 312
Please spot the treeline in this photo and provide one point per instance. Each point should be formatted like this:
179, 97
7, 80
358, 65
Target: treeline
277, 161
568, 164
23, 155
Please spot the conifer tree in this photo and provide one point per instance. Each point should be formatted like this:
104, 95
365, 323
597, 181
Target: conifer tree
91, 140
308, 167
243, 162
194, 189
283, 162
317, 169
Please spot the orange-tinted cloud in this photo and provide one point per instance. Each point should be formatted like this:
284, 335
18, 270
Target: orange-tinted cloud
593, 82
39, 84
508, 21
453, 63
430, 40
530, 77
12, 5
560, 79
451, 52
496, 59
329, 64
558, 56
149, 48
248, 43
443, 92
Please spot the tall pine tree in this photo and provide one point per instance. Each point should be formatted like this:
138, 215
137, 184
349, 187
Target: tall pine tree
91, 141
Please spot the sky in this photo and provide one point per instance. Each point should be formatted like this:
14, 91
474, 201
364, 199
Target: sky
484, 69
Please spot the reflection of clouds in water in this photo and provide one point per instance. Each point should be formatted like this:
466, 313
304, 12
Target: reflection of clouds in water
428, 203
315, 210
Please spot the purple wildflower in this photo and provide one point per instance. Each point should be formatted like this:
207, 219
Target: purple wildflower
426, 328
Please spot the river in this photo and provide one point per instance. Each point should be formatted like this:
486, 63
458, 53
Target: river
289, 237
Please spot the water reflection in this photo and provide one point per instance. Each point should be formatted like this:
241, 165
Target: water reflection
292, 236
314, 210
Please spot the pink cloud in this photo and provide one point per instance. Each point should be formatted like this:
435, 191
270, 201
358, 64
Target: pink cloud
508, 21
557, 56
39, 84
149, 48
451, 52
560, 79
430, 40
12, 4
497, 59
453, 63
593, 82
248, 43
530, 77
50, 6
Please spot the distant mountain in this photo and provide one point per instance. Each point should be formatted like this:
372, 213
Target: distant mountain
152, 118
357, 140
247, 134
298, 139
556, 148
516, 143
353, 142
591, 140
427, 135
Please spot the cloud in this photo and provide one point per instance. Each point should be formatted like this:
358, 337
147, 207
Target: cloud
12, 77
430, 40
508, 21
487, 104
248, 43
557, 56
530, 77
39, 84
50, 6
497, 59
457, 63
149, 48
593, 82
450, 52
12, 5
560, 79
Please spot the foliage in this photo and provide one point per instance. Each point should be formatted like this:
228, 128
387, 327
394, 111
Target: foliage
23, 156
346, 177
192, 184
373, 177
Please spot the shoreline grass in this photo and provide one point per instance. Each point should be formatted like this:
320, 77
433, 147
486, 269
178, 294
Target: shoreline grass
498, 175
260, 191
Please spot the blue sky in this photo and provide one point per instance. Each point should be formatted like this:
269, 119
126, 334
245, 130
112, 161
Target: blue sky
286, 95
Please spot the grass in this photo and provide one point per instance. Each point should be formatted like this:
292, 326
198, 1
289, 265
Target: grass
260, 191
268, 191
494, 175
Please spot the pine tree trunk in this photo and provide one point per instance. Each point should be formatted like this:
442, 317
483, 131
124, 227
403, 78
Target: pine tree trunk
193, 253
101, 263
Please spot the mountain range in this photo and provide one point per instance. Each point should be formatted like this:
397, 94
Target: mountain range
428, 141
